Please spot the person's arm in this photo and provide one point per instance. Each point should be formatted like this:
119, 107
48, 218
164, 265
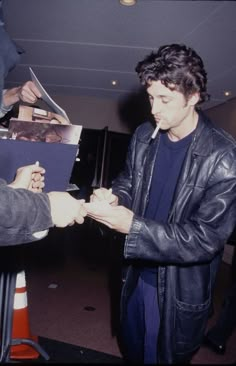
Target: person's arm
31, 177
24, 213
28, 93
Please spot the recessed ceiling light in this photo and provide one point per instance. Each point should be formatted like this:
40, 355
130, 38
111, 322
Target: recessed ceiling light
227, 93
114, 82
128, 2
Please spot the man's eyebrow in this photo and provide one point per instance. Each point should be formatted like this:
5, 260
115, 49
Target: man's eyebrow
160, 96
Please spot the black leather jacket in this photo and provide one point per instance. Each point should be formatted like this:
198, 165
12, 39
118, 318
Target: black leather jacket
188, 249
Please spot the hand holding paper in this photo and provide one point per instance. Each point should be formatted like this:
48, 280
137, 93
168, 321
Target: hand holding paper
30, 177
29, 92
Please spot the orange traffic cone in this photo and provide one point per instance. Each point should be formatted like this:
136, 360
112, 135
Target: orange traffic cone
20, 322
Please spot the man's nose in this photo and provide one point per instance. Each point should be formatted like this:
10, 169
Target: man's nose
156, 106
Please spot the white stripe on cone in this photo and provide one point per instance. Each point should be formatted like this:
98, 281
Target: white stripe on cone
20, 279
20, 300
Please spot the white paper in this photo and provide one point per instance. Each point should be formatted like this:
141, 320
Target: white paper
55, 107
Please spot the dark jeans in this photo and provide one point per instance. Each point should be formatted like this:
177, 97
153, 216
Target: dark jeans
141, 323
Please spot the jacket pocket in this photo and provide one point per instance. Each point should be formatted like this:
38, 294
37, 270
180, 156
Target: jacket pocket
190, 324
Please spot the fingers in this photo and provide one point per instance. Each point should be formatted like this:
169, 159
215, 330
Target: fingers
29, 93
33, 168
37, 177
98, 195
103, 194
82, 212
37, 183
79, 219
29, 177
66, 210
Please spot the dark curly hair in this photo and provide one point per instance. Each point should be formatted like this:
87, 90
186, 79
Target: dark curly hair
175, 64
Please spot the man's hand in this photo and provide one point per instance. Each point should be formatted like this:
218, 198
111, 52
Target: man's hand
66, 210
104, 194
28, 93
118, 218
30, 177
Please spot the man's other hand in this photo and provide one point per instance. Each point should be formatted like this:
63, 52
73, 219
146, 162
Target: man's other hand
66, 210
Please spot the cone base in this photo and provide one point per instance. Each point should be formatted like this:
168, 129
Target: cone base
23, 351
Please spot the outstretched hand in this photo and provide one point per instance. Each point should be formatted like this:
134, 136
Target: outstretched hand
66, 210
118, 218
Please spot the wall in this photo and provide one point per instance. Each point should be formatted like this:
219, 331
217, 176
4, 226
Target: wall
97, 113
122, 115
92, 112
224, 115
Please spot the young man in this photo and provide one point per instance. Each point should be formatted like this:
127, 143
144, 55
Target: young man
176, 202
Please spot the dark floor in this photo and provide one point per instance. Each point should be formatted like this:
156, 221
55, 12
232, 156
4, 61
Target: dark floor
73, 291
61, 352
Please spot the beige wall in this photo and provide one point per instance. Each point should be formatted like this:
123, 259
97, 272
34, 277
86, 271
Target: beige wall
224, 115
97, 113
92, 112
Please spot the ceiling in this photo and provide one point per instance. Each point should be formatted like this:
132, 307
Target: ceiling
77, 47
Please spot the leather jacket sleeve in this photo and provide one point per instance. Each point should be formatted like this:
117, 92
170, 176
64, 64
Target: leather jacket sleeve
22, 213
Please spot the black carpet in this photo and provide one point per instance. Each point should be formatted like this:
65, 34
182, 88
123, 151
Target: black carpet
60, 352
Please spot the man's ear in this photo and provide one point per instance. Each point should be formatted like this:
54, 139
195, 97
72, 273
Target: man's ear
193, 99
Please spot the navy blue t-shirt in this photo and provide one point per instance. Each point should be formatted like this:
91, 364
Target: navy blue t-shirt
168, 163
167, 168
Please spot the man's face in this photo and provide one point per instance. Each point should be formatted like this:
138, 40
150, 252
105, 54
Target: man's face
169, 107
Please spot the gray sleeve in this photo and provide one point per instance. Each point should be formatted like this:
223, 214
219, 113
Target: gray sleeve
22, 213
3, 109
